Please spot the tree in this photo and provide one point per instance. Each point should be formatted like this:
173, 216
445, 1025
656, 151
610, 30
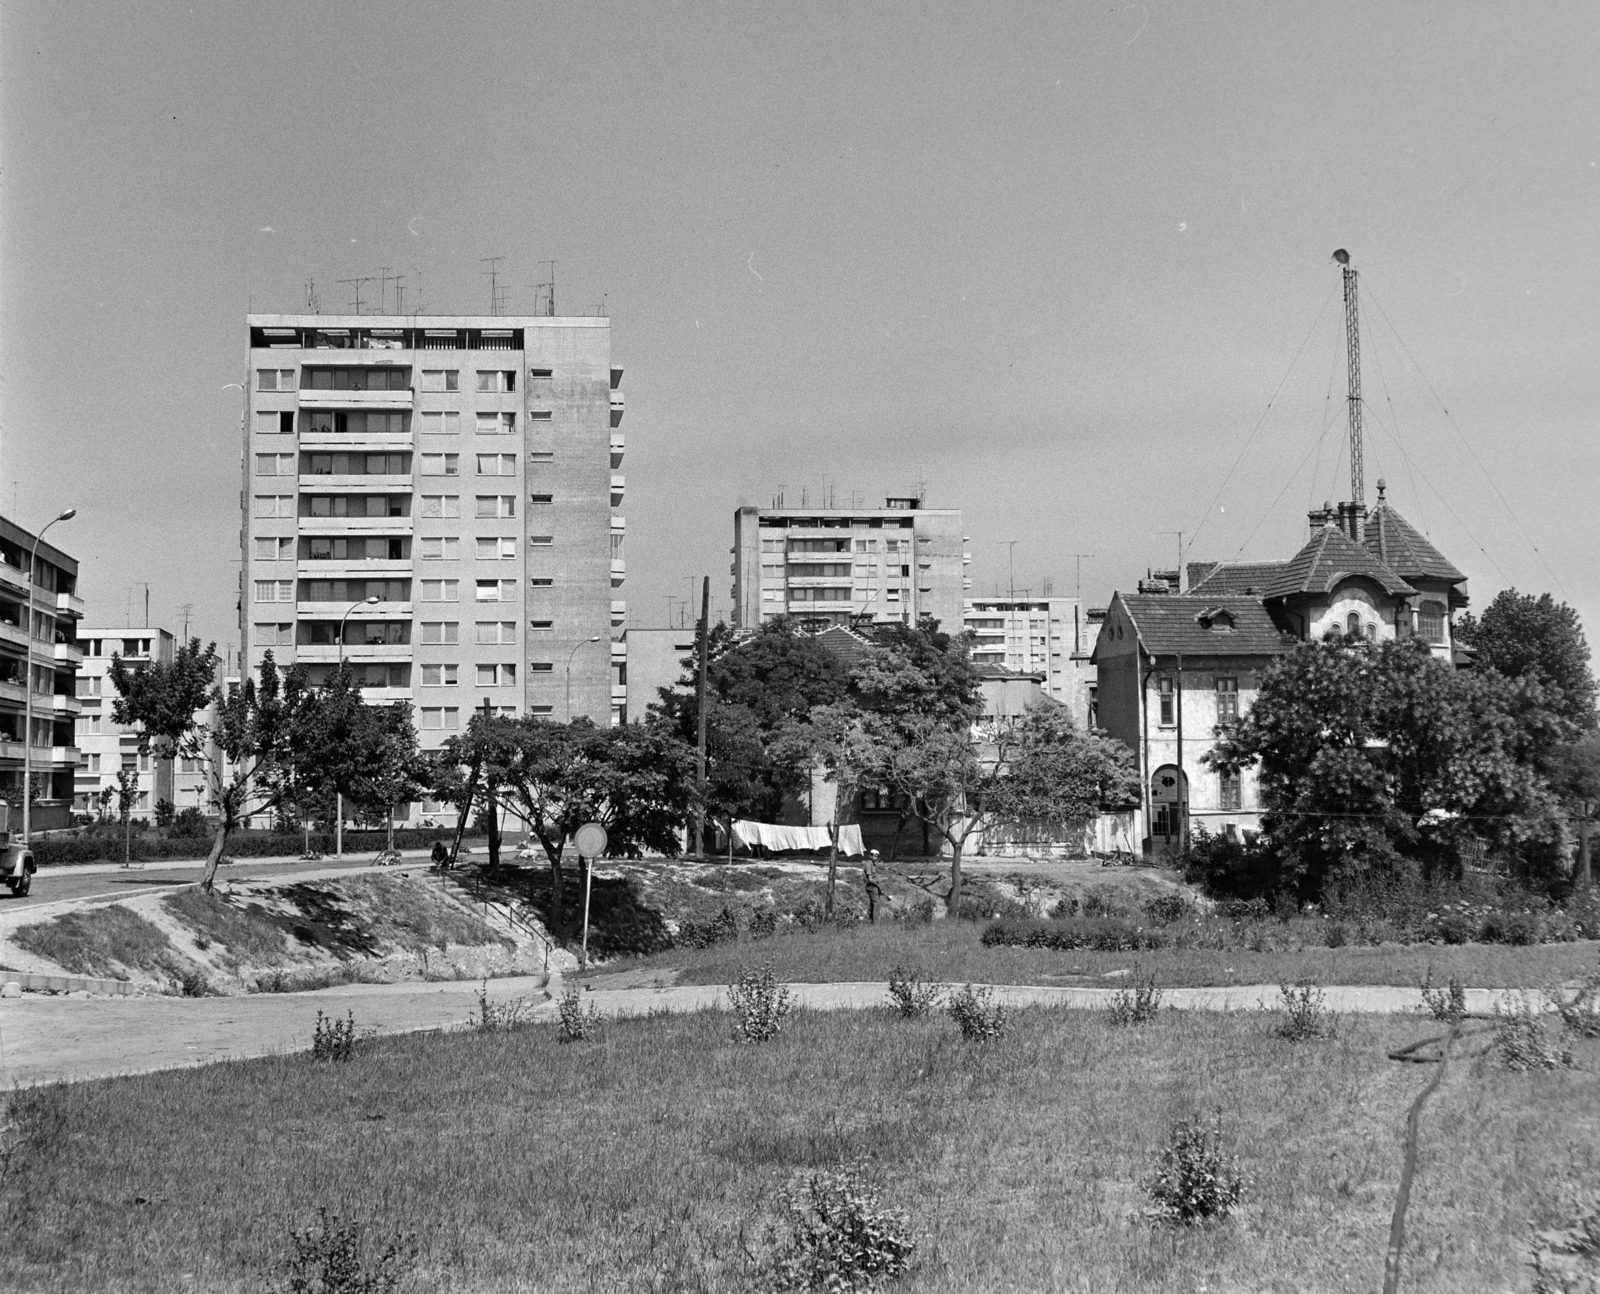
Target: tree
1521, 636
127, 796
393, 771
239, 736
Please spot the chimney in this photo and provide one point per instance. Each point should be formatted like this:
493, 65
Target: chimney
1353, 520
1320, 517
1199, 570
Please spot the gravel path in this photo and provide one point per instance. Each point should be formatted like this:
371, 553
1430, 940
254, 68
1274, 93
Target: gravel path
47, 1038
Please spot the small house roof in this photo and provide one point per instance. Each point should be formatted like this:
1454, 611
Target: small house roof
1396, 543
1329, 558
1168, 624
1238, 577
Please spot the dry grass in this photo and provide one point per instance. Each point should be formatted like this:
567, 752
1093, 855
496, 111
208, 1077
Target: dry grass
107, 942
638, 1162
950, 952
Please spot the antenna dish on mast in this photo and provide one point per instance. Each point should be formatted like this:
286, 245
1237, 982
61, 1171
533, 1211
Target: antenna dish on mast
1342, 256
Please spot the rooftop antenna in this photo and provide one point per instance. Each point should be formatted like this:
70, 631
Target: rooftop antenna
548, 289
185, 608
497, 294
1011, 557
1352, 342
356, 285
313, 304
383, 289
399, 294
1179, 534
1077, 583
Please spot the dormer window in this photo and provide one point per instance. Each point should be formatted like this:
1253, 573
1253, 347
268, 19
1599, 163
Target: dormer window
1218, 620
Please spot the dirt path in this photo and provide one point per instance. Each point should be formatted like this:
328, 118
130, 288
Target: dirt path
48, 1038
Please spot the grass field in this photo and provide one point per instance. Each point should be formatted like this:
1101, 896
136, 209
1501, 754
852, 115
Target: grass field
950, 951
649, 1160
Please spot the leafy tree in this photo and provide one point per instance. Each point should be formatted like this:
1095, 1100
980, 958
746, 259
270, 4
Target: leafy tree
393, 771
1526, 637
239, 737
471, 769
127, 797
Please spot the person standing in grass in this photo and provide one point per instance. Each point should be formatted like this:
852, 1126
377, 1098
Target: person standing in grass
874, 891
440, 856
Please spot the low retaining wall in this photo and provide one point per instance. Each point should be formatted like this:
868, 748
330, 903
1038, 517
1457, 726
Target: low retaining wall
69, 984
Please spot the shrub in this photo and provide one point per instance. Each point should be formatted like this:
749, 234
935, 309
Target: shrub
1095, 904
1449, 1003
1522, 1042
1335, 935
1105, 934
498, 1017
763, 923
1579, 1008
1138, 1003
979, 1016
759, 1004
811, 917
1501, 927
1167, 909
1305, 1014
1194, 1181
918, 913
328, 1260
1225, 868
1256, 909
192, 982
722, 928
574, 1021
189, 824
909, 995
840, 1237
334, 1039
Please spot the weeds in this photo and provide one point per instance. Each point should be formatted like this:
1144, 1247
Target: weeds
1139, 1003
1305, 1014
1579, 1008
1566, 1260
334, 1039
1449, 1003
840, 1236
1194, 1181
575, 1021
1523, 1043
327, 1260
979, 1016
192, 982
498, 1017
759, 1004
721, 929
909, 995
763, 923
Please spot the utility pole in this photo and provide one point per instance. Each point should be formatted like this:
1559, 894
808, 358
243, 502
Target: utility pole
1352, 343
697, 845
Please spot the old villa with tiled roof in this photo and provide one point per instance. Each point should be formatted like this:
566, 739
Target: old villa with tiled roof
1174, 669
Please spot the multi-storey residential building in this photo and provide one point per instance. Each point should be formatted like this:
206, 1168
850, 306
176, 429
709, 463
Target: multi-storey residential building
901, 562
106, 748
448, 486
39, 614
1049, 636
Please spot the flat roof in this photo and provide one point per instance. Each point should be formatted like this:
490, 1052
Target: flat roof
489, 322
17, 535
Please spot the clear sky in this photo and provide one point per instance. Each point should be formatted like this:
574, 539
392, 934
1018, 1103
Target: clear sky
1049, 262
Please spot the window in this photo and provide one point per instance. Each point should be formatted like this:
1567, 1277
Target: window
540, 374
538, 415
275, 379
274, 505
440, 631
541, 456
497, 464
541, 626
89, 686
442, 548
497, 590
1352, 624
541, 541
1430, 622
497, 675
274, 635
542, 666
441, 505
441, 464
274, 590
95, 723
274, 550
435, 718
497, 505
497, 380
274, 464
496, 424
384, 378
541, 498
541, 582
497, 631
441, 424
440, 590
441, 379
1168, 699
1229, 798
439, 675
275, 423
1227, 700
490, 548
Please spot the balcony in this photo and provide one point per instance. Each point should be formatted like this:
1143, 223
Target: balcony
337, 440
618, 484
14, 634
355, 653
356, 399
385, 695
333, 568
69, 756
70, 653
619, 571
619, 653
356, 525
619, 446
13, 577
15, 693
619, 691
616, 408
336, 610
327, 483
68, 605
61, 705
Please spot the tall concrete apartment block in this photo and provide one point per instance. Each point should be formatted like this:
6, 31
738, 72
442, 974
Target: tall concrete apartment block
841, 566
461, 470
39, 654
1053, 637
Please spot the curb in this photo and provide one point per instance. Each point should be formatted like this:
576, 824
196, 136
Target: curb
30, 983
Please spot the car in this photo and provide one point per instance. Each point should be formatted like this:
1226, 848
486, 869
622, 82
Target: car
19, 868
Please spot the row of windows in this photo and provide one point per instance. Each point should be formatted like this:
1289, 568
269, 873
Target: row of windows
115, 646
356, 422
434, 633
1227, 694
486, 505
450, 464
388, 377
488, 675
833, 545
381, 464
395, 505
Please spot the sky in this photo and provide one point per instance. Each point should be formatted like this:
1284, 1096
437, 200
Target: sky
1065, 267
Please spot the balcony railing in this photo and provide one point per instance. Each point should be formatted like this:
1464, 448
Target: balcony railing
355, 653
357, 525
68, 652
356, 399
335, 610
68, 605
323, 568
328, 483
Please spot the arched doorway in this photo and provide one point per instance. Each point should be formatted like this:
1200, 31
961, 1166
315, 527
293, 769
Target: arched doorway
1169, 807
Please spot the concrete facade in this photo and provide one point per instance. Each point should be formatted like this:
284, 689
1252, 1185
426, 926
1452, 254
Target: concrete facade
39, 653
106, 748
464, 471
898, 563
1053, 637
654, 660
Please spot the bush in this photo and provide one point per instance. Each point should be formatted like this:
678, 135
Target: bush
1194, 1181
763, 923
979, 1016
1522, 1041
1305, 1015
1501, 927
1448, 1004
189, 824
1139, 1003
1167, 909
576, 1022
721, 929
918, 913
909, 995
1226, 868
1105, 934
1579, 1008
164, 812
334, 1039
328, 1260
192, 982
759, 1004
498, 1017
841, 1238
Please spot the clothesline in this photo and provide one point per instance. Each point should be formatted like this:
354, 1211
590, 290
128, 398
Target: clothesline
777, 838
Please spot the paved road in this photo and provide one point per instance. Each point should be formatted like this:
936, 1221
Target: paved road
47, 1038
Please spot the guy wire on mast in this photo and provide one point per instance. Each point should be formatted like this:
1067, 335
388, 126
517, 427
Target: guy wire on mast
1352, 332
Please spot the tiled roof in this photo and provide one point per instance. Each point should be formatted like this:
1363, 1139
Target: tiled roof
1238, 577
847, 646
1172, 623
1329, 557
1396, 543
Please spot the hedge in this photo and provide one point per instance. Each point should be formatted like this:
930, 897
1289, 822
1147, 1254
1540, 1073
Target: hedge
64, 852
1106, 934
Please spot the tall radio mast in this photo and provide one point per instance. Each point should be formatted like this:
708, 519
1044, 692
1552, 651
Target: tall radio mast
1352, 334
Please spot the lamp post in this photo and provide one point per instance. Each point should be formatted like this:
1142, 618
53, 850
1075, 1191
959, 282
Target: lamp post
338, 813
573, 653
27, 694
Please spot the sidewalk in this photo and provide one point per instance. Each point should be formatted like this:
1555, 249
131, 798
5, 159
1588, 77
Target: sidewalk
48, 1038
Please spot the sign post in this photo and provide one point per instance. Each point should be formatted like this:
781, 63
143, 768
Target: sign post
591, 843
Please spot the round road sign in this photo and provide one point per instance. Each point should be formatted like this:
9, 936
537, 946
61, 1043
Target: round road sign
591, 840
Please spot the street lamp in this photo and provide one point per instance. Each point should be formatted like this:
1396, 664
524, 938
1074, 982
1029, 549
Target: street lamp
574, 652
338, 825
27, 694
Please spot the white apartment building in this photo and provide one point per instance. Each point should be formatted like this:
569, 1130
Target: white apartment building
106, 748
1052, 637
